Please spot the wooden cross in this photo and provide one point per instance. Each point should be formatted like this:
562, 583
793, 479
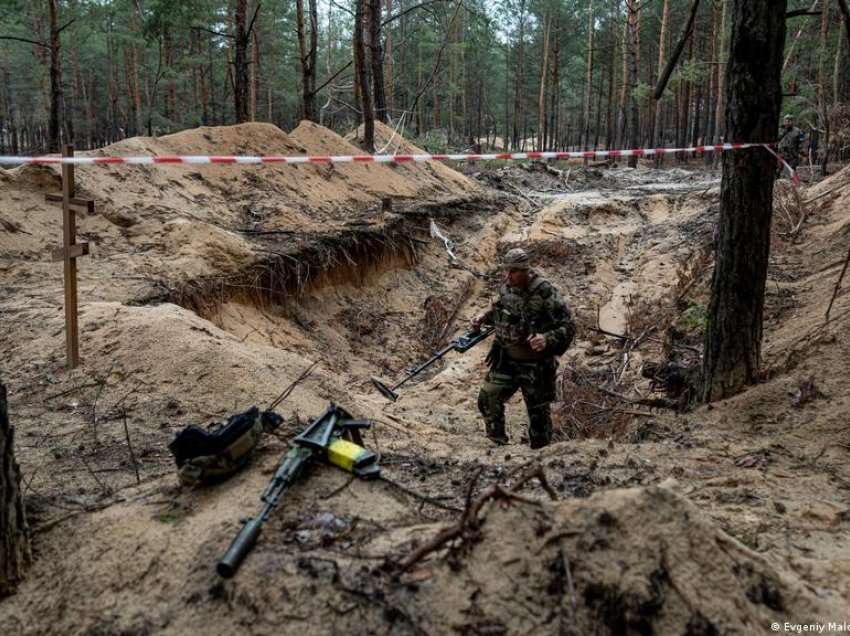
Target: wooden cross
69, 252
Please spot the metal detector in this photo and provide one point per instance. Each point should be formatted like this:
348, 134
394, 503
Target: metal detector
460, 344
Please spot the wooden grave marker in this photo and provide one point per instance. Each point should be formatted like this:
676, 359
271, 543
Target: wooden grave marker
69, 252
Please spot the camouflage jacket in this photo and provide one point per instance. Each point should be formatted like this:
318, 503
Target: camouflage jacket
790, 142
520, 313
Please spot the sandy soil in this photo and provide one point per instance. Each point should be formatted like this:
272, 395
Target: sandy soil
719, 520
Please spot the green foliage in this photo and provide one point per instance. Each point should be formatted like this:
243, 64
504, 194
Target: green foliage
458, 71
695, 317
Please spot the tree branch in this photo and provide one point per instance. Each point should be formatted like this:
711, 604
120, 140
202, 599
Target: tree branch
400, 14
439, 58
674, 58
799, 12
333, 77
251, 25
218, 33
66, 25
25, 40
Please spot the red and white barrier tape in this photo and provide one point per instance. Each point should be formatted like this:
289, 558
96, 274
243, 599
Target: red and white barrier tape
312, 159
792, 174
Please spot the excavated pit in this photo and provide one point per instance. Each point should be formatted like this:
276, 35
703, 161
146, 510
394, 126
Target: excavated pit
190, 322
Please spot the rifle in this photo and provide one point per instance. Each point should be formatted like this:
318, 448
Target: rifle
460, 344
334, 437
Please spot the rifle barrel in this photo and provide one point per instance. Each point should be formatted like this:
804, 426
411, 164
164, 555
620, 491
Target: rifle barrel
287, 472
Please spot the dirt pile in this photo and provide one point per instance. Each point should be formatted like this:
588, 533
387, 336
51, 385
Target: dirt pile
208, 211
642, 561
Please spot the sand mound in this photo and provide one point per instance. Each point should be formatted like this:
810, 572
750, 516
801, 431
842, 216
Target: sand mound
839, 180
146, 216
389, 141
641, 561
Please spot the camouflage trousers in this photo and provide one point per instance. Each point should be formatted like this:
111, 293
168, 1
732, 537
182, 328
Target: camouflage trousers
536, 379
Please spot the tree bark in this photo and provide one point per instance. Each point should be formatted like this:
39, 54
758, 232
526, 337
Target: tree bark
823, 105
845, 13
734, 333
362, 77
240, 79
56, 93
307, 57
633, 117
389, 89
657, 133
541, 98
14, 535
841, 71
588, 75
376, 58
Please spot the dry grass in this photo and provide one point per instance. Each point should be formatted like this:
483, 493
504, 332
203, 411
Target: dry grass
585, 410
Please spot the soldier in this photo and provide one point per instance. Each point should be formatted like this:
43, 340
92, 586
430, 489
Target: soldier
533, 327
790, 141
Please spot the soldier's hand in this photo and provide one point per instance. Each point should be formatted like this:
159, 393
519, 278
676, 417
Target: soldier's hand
537, 342
478, 321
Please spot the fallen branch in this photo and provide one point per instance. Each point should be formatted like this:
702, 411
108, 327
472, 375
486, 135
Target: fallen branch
130, 448
288, 390
469, 523
827, 193
434, 501
837, 286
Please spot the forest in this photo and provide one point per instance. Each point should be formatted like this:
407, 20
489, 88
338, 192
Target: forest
512, 74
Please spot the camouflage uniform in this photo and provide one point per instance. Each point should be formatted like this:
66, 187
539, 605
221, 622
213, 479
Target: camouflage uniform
516, 315
790, 142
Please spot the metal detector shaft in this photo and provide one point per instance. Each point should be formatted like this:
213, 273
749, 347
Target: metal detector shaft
461, 343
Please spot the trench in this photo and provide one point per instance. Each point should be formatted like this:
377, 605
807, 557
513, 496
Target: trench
377, 299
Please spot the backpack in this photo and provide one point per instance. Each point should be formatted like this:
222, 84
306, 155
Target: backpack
208, 456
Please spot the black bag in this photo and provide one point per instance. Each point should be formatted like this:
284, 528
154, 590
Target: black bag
206, 456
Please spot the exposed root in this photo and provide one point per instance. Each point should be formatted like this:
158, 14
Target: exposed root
289, 274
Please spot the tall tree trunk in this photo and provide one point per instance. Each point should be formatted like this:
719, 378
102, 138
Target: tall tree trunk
389, 88
612, 66
588, 75
723, 59
658, 134
14, 534
554, 89
845, 14
519, 81
734, 332
634, 112
376, 58
240, 70
362, 75
255, 73
56, 94
307, 108
711, 111
541, 98
841, 70
823, 104
624, 84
